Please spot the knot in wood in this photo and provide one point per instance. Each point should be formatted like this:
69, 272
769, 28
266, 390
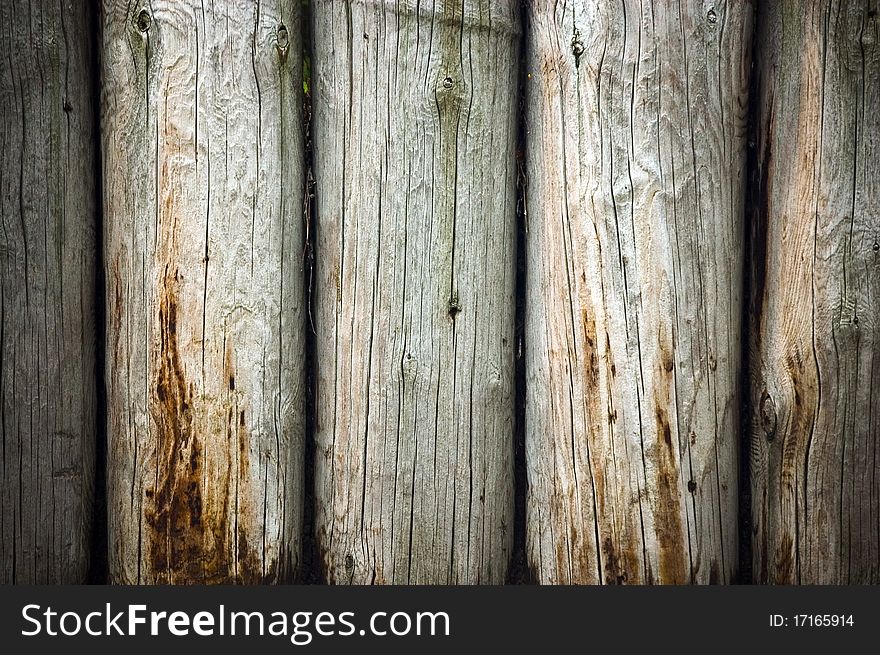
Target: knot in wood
143, 21
282, 40
454, 306
577, 47
768, 416
711, 16
449, 95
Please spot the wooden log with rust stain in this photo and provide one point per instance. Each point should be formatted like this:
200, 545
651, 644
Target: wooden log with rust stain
414, 130
48, 266
814, 317
203, 147
636, 120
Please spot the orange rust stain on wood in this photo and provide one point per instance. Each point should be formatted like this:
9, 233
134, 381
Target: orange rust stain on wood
583, 550
187, 527
174, 516
621, 566
573, 557
666, 360
611, 567
632, 558
250, 568
591, 353
621, 563
595, 412
668, 526
671, 538
188, 537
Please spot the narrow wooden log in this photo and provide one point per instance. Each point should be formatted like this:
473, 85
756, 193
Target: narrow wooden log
414, 130
814, 317
48, 374
636, 116
202, 140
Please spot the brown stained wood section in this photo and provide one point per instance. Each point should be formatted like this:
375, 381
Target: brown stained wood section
202, 138
636, 122
48, 266
174, 515
815, 328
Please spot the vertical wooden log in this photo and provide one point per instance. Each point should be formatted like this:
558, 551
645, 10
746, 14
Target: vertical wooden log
414, 130
47, 291
636, 117
202, 140
815, 322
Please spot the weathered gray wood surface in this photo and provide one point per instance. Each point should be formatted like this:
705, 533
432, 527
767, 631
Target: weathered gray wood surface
47, 291
814, 317
202, 144
414, 130
636, 167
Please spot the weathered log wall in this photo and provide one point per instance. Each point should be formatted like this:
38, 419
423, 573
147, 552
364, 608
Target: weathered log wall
639, 239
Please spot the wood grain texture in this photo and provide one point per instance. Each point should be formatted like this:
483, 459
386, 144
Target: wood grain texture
202, 142
414, 130
815, 324
48, 270
636, 121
